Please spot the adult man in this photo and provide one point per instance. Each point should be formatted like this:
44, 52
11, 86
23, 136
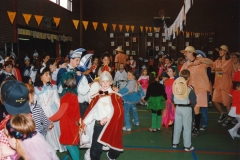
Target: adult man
199, 80
120, 58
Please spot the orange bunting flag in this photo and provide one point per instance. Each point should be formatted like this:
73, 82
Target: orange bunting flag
95, 24
104, 26
27, 17
85, 24
146, 29
120, 27
150, 29
11, 16
114, 27
159, 28
38, 19
132, 28
155, 29
56, 20
75, 22
141, 28
127, 28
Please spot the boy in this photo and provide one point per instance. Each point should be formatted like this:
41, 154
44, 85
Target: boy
107, 111
184, 99
120, 77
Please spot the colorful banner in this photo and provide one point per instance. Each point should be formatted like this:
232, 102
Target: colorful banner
85, 24
56, 20
38, 19
104, 26
114, 27
75, 22
95, 24
127, 28
11, 16
132, 28
141, 28
120, 27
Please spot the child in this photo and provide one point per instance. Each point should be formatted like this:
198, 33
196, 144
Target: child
69, 115
184, 98
132, 63
107, 111
7, 72
143, 80
105, 58
180, 62
27, 79
23, 137
169, 113
120, 77
235, 109
164, 77
160, 67
47, 97
131, 94
156, 101
27, 67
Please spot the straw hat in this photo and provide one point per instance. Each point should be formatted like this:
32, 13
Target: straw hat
189, 49
223, 47
180, 89
119, 49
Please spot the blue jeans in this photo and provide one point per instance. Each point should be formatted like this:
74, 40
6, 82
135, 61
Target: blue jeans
204, 111
127, 109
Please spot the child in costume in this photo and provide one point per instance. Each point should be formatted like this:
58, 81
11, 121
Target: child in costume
132, 63
169, 113
184, 98
7, 72
69, 115
235, 109
120, 77
156, 97
107, 111
23, 137
46, 96
143, 80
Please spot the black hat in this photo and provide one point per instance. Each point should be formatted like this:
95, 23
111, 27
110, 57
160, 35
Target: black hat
15, 97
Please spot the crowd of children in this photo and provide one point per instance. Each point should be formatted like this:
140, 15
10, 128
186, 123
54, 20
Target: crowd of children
57, 105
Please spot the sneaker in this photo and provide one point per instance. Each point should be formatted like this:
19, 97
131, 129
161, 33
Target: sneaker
226, 123
222, 117
234, 121
158, 129
203, 128
105, 148
175, 145
108, 157
195, 132
137, 124
152, 130
126, 129
189, 149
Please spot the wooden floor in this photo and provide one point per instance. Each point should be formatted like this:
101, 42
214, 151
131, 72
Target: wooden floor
215, 143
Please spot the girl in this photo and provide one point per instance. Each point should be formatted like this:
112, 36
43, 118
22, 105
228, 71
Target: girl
7, 72
160, 67
34, 69
46, 96
23, 137
52, 65
69, 115
143, 80
169, 113
95, 65
169, 62
131, 95
27, 79
105, 58
180, 62
132, 63
156, 101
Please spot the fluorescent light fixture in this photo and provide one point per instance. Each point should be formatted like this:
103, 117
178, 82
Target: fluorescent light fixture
23, 39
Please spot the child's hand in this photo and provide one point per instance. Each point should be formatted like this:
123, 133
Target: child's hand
79, 73
143, 100
82, 126
115, 89
104, 121
51, 125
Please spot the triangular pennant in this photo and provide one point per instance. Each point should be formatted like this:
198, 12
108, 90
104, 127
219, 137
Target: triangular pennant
104, 26
85, 24
127, 28
75, 22
146, 28
38, 19
95, 24
141, 28
150, 29
56, 20
120, 27
27, 17
114, 27
155, 29
11, 16
132, 28
159, 28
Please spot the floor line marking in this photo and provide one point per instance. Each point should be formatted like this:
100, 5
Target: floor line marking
194, 155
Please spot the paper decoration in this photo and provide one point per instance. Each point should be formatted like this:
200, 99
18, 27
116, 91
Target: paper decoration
38, 19
127, 28
186, 44
112, 43
156, 57
155, 29
111, 35
11, 16
146, 28
75, 22
95, 24
127, 52
120, 27
169, 44
85, 24
140, 58
114, 27
104, 26
27, 17
157, 48
150, 29
158, 29
56, 20
141, 28
133, 52
134, 39
132, 28
210, 52
145, 60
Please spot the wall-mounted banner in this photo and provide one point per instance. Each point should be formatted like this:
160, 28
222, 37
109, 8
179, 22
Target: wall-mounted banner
120, 27
85, 24
114, 27
38, 19
105, 26
56, 20
75, 22
95, 24
11, 16
127, 28
132, 28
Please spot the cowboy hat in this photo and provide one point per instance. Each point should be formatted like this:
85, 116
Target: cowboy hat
119, 49
180, 89
189, 49
223, 47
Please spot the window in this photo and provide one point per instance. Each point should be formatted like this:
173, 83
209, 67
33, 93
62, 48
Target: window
64, 3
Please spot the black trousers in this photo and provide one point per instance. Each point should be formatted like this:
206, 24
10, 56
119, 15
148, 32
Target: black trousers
83, 107
96, 148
